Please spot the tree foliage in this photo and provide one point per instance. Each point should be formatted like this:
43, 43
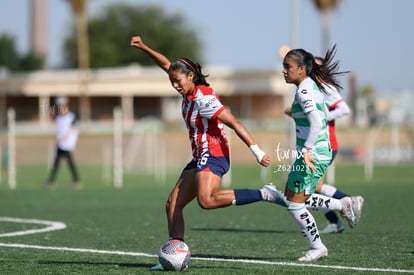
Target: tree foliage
109, 34
11, 59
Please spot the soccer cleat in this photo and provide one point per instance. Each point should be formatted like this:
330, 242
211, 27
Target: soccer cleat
357, 206
333, 228
348, 211
157, 267
314, 254
271, 194
357, 203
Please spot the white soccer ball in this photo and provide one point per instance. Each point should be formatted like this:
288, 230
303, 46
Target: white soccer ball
174, 255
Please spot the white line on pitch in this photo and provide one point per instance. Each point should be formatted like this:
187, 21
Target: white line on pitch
15, 245
51, 226
77, 249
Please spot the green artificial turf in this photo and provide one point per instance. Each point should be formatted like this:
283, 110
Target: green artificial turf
119, 231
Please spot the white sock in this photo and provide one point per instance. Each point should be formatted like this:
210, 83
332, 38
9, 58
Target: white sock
318, 201
306, 223
328, 190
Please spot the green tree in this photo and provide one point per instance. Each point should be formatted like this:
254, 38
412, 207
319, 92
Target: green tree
8, 53
109, 34
30, 62
13, 61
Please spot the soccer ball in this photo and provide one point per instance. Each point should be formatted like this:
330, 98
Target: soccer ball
174, 255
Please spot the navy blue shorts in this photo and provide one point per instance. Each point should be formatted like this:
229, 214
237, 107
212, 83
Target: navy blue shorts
218, 165
333, 156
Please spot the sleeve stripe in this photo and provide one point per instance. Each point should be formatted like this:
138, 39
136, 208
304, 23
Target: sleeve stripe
218, 112
333, 105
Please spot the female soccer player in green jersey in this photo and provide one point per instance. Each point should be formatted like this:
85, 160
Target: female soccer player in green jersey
312, 141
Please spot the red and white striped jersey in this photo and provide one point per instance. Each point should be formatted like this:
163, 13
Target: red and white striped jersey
206, 131
332, 99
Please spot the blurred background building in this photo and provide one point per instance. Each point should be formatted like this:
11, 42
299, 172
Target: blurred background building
141, 92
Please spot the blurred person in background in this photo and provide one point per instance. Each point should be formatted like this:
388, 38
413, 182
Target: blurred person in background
66, 139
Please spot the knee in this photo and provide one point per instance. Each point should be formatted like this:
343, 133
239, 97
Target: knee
205, 203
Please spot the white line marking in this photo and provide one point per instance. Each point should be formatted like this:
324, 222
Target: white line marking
306, 265
15, 245
77, 250
51, 226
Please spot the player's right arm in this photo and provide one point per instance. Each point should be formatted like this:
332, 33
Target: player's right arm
159, 58
337, 106
339, 110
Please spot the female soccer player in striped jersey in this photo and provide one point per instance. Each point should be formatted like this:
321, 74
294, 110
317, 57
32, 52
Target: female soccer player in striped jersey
204, 116
312, 140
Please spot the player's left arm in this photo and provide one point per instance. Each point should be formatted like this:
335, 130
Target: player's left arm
308, 105
232, 122
315, 126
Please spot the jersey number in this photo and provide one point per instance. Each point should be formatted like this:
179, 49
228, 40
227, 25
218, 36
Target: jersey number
203, 160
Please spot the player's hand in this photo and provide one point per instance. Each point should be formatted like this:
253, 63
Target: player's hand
288, 111
307, 157
265, 160
136, 42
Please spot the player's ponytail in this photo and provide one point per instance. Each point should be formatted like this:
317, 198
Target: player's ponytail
327, 71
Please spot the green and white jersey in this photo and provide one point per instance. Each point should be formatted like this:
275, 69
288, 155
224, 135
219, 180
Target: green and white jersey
309, 98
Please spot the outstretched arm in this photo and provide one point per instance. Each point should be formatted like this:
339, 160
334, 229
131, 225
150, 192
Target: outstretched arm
159, 58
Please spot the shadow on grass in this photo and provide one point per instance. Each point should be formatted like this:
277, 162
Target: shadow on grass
241, 258
224, 257
135, 265
266, 231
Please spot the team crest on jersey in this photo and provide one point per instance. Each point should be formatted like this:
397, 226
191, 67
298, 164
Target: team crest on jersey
210, 102
304, 91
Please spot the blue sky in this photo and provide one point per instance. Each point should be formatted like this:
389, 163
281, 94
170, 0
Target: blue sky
374, 38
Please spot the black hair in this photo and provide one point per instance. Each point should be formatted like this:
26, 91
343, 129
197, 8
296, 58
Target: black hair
325, 72
186, 65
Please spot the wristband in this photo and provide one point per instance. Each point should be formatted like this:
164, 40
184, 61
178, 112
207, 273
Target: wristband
259, 154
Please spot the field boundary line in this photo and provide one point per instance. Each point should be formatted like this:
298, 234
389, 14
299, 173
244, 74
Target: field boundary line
114, 252
51, 226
